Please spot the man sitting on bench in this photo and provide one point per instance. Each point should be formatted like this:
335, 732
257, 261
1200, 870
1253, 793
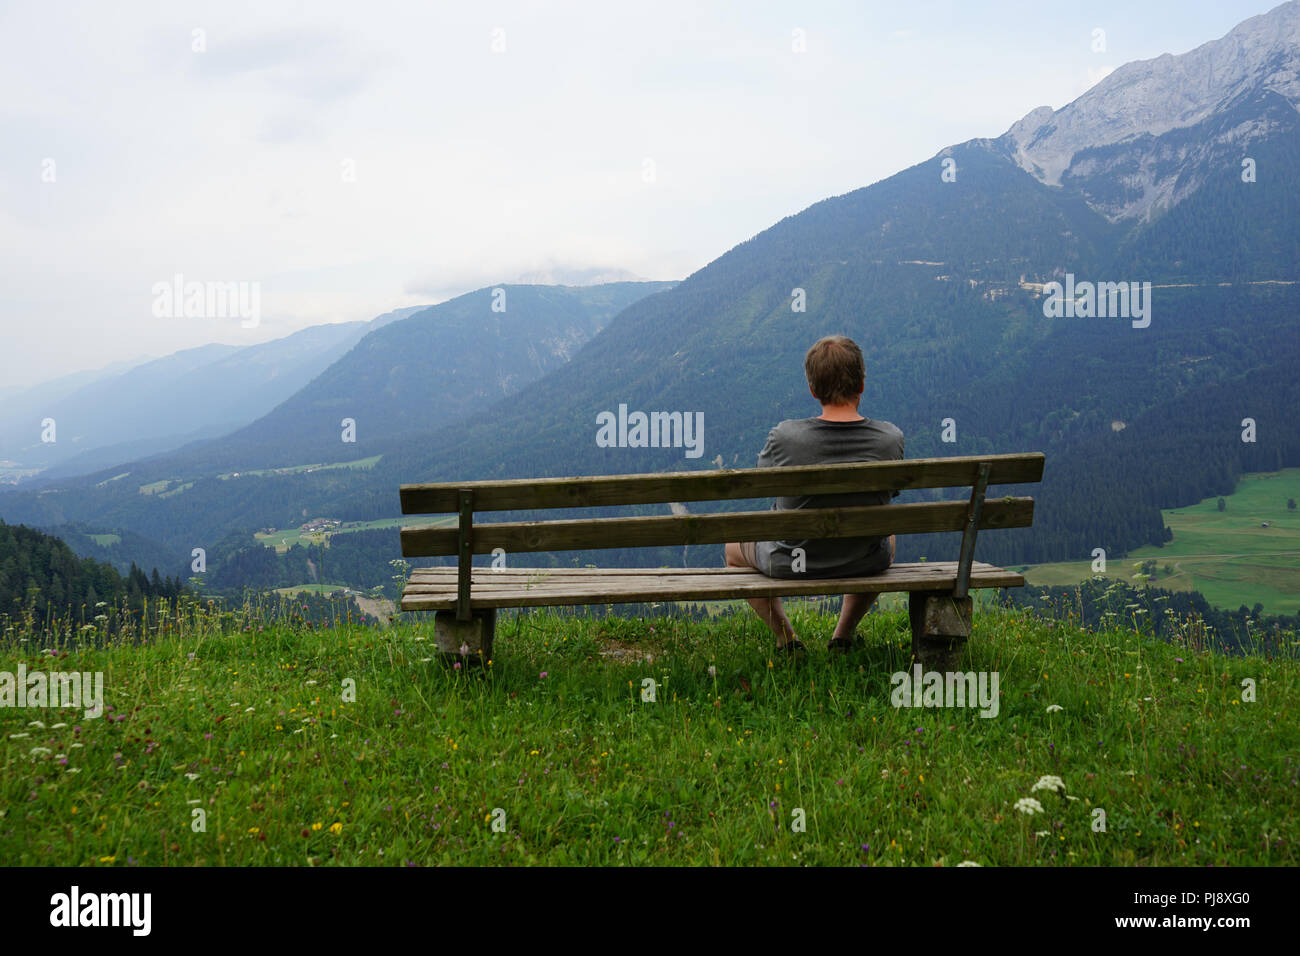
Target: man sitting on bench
836, 377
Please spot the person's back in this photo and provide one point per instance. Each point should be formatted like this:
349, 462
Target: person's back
836, 378
816, 441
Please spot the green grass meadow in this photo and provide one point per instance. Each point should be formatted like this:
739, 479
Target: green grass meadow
311, 589
548, 754
363, 463
1226, 555
285, 538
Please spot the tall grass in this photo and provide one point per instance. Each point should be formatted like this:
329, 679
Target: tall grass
549, 754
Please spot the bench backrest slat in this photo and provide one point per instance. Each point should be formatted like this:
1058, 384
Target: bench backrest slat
656, 531
610, 490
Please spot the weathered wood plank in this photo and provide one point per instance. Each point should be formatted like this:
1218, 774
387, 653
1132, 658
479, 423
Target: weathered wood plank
607, 490
809, 523
486, 576
464, 552
522, 598
971, 530
524, 571
710, 584
518, 573
545, 577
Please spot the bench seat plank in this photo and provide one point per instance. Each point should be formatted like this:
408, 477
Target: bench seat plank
435, 588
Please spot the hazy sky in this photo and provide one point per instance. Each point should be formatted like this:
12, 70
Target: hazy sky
354, 157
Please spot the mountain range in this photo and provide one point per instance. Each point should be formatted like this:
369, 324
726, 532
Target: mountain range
113, 416
1181, 172
431, 368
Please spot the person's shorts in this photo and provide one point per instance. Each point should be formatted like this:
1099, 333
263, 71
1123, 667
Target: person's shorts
758, 559
747, 551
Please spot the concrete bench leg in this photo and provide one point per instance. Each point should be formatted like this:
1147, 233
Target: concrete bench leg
940, 626
475, 634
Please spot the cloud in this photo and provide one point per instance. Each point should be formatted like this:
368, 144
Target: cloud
288, 126
316, 65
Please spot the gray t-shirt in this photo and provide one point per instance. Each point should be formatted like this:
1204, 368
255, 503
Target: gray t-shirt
812, 441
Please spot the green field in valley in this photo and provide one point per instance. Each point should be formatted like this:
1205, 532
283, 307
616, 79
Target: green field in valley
325, 589
298, 469
282, 539
1229, 556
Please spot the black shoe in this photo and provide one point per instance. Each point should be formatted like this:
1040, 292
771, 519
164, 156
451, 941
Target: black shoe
794, 650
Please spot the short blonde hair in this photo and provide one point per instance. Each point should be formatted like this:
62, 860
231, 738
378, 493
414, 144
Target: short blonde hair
835, 370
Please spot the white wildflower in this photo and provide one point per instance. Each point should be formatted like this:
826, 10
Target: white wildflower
1053, 708
1055, 784
1029, 806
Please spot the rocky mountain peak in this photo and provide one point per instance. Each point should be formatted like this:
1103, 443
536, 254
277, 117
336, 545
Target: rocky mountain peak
1152, 97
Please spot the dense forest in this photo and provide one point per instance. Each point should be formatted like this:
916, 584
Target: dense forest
42, 578
358, 559
46, 586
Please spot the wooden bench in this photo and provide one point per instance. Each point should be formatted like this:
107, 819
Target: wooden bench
939, 605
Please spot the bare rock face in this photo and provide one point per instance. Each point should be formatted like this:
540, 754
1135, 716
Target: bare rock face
1135, 122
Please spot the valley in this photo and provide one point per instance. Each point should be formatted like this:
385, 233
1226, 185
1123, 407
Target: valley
1246, 554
